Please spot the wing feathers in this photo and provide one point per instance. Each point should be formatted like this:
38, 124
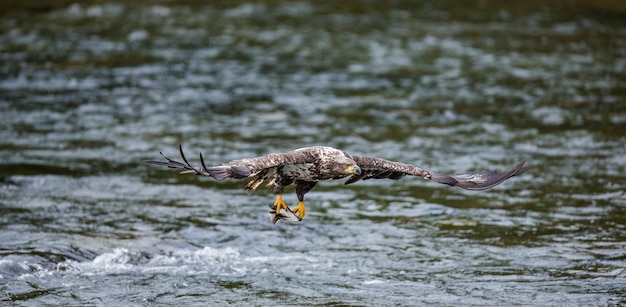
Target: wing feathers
377, 168
236, 169
482, 180
275, 159
219, 172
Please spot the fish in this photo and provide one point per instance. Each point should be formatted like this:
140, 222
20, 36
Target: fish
284, 215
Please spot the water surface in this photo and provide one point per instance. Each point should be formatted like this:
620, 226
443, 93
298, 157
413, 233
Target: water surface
89, 90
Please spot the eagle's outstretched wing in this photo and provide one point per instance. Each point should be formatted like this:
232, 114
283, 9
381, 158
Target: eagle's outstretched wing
378, 168
236, 169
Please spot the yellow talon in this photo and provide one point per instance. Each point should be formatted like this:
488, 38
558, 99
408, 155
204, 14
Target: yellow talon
279, 203
300, 209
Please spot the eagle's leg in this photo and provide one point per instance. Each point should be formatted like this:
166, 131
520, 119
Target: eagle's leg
279, 203
300, 209
302, 187
279, 185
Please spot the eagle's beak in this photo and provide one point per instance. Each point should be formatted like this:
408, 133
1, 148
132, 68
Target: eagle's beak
353, 169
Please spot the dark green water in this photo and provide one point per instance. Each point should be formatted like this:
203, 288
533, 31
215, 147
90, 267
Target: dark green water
90, 90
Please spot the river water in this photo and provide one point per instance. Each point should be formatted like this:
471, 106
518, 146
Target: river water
89, 90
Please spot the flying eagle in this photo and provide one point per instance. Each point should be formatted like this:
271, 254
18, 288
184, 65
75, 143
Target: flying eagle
305, 167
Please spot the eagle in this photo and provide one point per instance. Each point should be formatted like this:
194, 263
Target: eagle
307, 166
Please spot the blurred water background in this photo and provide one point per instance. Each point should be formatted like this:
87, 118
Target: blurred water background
90, 89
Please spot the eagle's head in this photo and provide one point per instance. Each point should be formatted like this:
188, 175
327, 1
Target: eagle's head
348, 169
341, 164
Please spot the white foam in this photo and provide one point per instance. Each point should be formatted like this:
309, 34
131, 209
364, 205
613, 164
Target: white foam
374, 282
225, 262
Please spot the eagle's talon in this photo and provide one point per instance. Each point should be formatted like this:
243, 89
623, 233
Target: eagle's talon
300, 209
280, 204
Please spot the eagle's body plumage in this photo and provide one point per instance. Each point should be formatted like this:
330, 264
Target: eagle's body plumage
305, 167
